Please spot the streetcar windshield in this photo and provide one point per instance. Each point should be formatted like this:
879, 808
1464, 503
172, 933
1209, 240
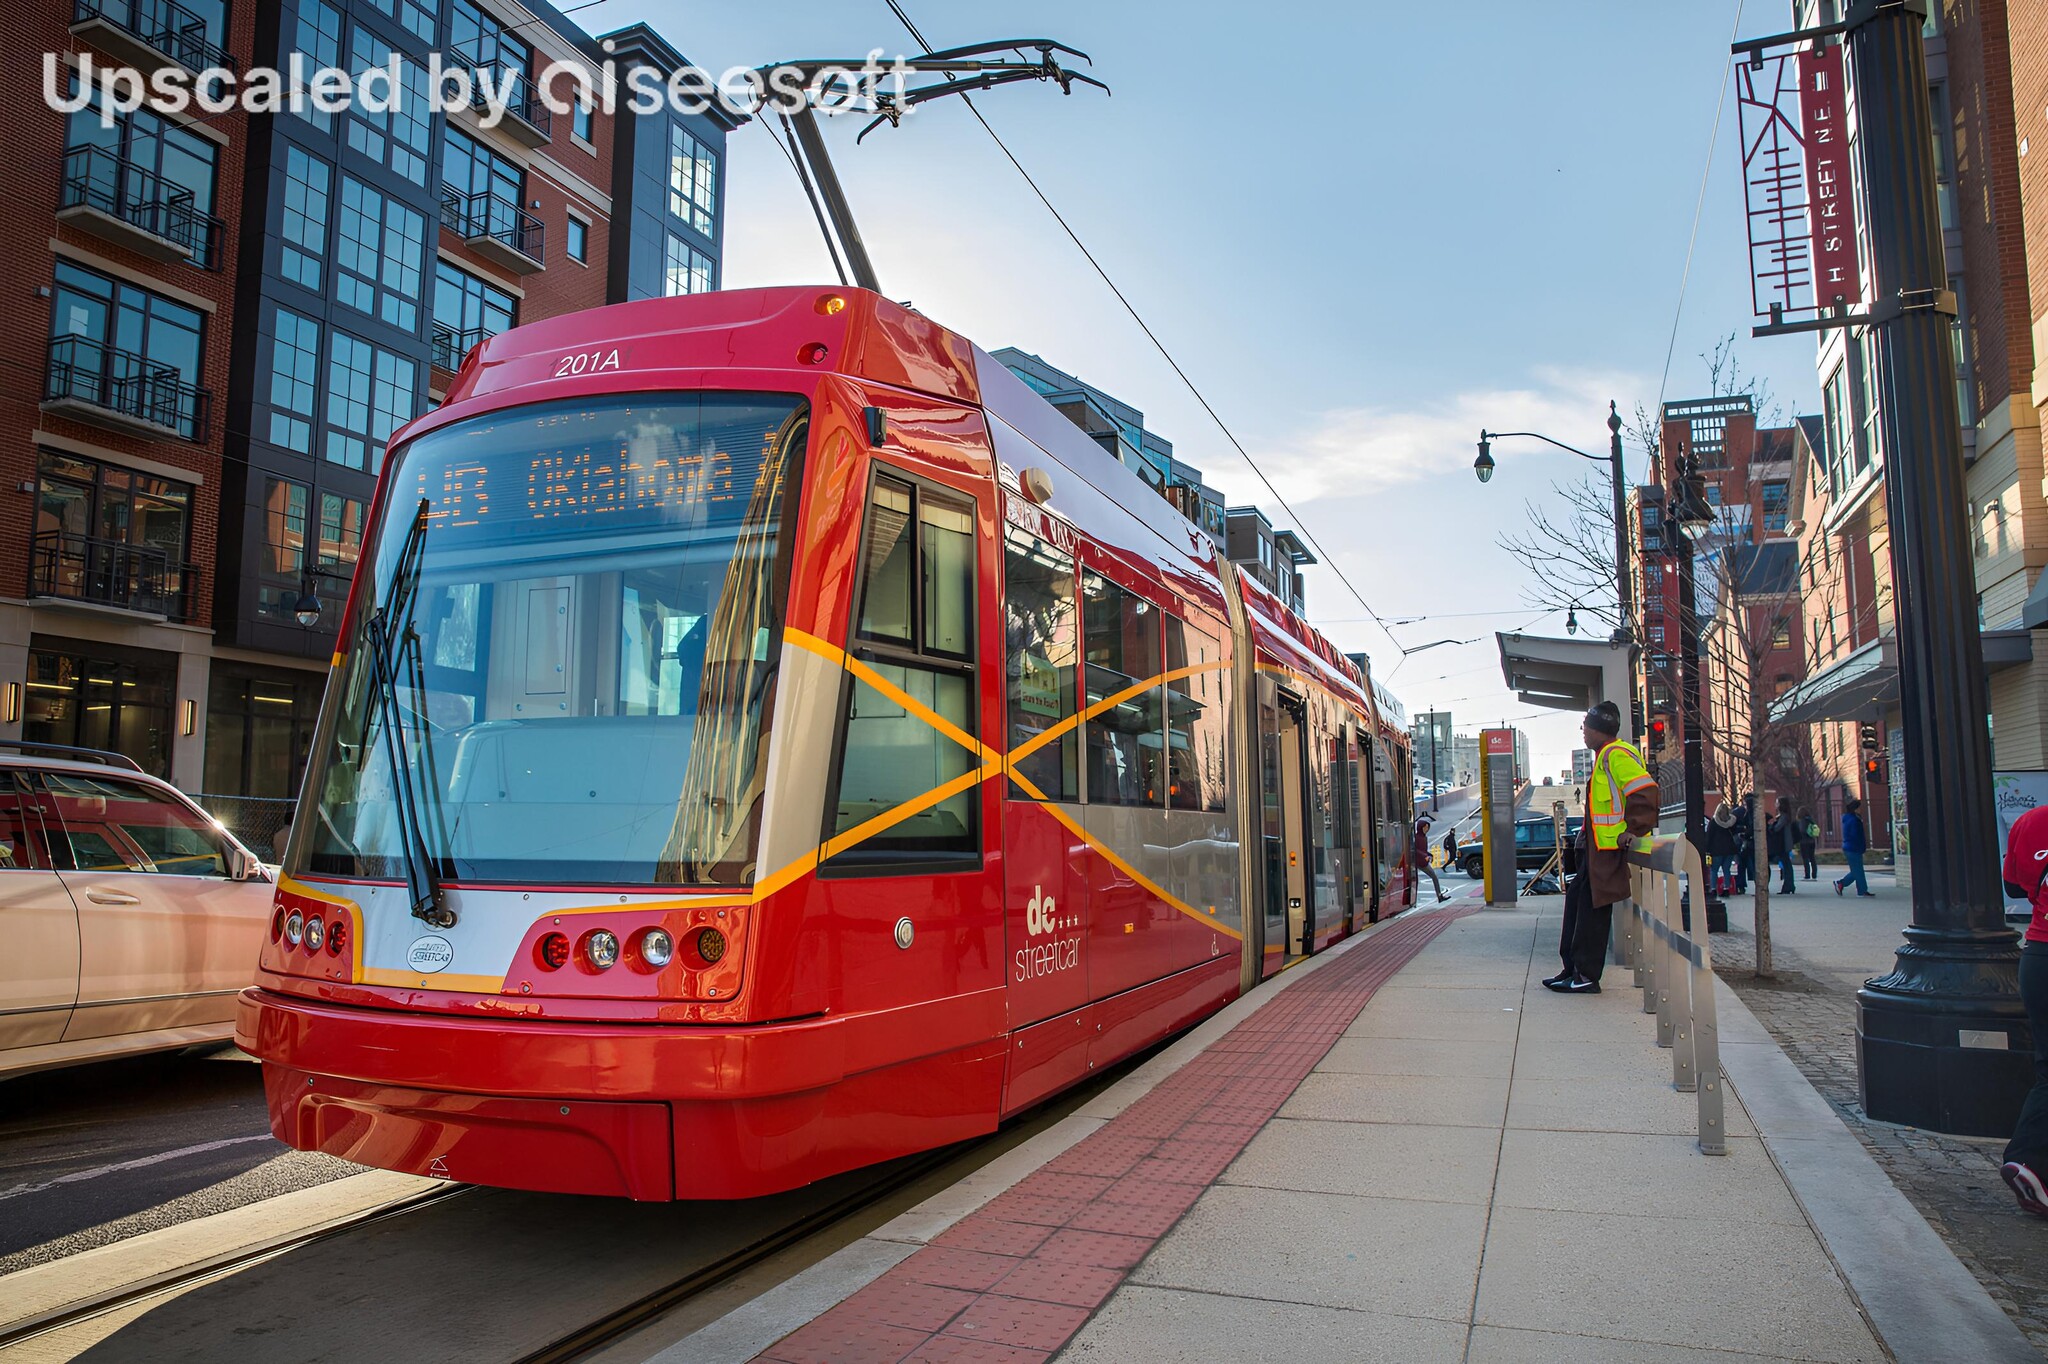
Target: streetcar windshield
579, 647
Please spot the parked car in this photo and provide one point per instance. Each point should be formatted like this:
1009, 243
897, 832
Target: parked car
1535, 841
130, 918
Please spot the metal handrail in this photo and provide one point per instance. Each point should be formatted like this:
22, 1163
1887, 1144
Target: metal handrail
165, 25
451, 346
109, 573
1673, 962
523, 99
474, 217
98, 178
92, 372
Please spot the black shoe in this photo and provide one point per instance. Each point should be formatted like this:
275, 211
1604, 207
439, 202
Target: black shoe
1558, 983
1579, 985
1560, 978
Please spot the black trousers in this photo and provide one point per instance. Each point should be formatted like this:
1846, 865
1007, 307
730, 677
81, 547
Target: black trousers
2029, 1144
1583, 942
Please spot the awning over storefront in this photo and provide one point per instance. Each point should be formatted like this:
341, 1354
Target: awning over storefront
1865, 684
1565, 674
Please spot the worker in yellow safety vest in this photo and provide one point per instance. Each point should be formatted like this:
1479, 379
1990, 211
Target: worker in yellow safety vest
1621, 807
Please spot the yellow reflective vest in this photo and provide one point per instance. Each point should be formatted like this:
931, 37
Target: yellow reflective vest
1618, 773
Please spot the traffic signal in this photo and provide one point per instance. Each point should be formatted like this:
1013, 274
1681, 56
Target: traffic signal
1659, 732
1873, 769
1868, 734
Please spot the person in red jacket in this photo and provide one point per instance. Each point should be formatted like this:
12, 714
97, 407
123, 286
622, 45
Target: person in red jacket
2025, 871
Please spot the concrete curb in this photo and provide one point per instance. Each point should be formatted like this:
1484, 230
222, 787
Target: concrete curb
747, 1330
1926, 1307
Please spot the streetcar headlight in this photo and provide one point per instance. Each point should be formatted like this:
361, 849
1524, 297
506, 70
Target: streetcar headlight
656, 947
601, 949
710, 945
294, 927
316, 933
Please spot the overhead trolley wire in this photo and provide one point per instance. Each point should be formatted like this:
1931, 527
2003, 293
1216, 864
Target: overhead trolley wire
1328, 560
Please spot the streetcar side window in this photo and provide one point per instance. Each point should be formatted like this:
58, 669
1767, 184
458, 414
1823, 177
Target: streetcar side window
1125, 736
1039, 662
1195, 709
905, 791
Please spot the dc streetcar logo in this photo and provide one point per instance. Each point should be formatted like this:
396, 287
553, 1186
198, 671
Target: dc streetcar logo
1042, 921
430, 954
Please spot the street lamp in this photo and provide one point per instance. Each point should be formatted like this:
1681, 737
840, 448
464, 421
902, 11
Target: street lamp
1689, 513
1623, 580
1571, 620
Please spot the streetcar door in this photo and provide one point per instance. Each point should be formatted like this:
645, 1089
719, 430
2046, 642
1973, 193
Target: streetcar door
1282, 784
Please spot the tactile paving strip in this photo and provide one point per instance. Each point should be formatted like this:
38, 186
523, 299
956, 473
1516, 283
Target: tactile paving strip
1013, 1282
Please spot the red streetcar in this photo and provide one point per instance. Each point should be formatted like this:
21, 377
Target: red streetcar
766, 739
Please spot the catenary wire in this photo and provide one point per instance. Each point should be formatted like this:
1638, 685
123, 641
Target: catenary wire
1328, 560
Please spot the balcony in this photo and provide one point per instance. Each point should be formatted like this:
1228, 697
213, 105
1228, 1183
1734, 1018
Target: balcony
527, 120
495, 228
78, 568
119, 202
92, 382
148, 35
451, 346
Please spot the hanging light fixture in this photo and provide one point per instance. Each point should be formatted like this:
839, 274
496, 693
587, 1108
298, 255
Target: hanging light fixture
1571, 620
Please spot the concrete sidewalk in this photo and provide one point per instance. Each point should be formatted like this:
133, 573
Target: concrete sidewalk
1410, 1151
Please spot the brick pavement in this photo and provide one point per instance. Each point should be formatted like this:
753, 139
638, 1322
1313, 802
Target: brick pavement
1953, 1182
1013, 1282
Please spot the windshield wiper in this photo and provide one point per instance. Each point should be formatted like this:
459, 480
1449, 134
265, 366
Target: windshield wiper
388, 630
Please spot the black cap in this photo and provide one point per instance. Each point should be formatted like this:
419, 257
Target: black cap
1605, 717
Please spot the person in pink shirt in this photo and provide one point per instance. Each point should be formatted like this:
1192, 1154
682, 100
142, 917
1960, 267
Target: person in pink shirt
2026, 877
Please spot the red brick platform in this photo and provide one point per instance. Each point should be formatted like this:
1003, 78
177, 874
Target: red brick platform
1013, 1282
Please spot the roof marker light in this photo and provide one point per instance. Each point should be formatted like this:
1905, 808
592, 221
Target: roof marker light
831, 304
813, 354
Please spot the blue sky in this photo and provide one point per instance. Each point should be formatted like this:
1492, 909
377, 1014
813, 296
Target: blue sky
1364, 229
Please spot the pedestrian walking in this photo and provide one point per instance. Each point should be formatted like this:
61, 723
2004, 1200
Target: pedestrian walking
1450, 848
1621, 807
1782, 835
1854, 841
1422, 856
1745, 843
2026, 868
1721, 849
1809, 842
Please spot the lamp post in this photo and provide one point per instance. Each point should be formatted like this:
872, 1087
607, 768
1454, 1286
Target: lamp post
1687, 512
1624, 581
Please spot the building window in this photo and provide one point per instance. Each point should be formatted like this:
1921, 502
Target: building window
370, 394
379, 253
1959, 341
294, 373
1657, 636
1781, 633
118, 346
692, 182
688, 271
304, 229
283, 558
144, 170
485, 40
467, 312
98, 696
419, 18
259, 729
318, 37
1834, 397
402, 138
341, 534
1777, 501
1869, 447
110, 535
580, 122
469, 168
579, 239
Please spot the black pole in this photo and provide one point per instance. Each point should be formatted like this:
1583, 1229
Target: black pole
1694, 707
1942, 1041
1624, 577
813, 144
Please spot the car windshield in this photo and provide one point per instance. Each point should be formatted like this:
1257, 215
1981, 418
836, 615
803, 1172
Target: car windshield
583, 655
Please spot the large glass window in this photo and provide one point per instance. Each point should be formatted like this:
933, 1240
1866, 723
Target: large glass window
1039, 650
110, 535
484, 40
906, 794
692, 180
318, 36
294, 371
1197, 707
259, 732
418, 16
402, 138
586, 646
121, 346
469, 167
379, 255
284, 549
144, 169
370, 394
687, 270
96, 696
1122, 642
304, 227
1777, 501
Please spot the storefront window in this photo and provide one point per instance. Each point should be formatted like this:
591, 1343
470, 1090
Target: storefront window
93, 696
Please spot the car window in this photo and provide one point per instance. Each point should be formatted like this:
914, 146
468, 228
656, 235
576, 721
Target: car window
113, 825
21, 832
